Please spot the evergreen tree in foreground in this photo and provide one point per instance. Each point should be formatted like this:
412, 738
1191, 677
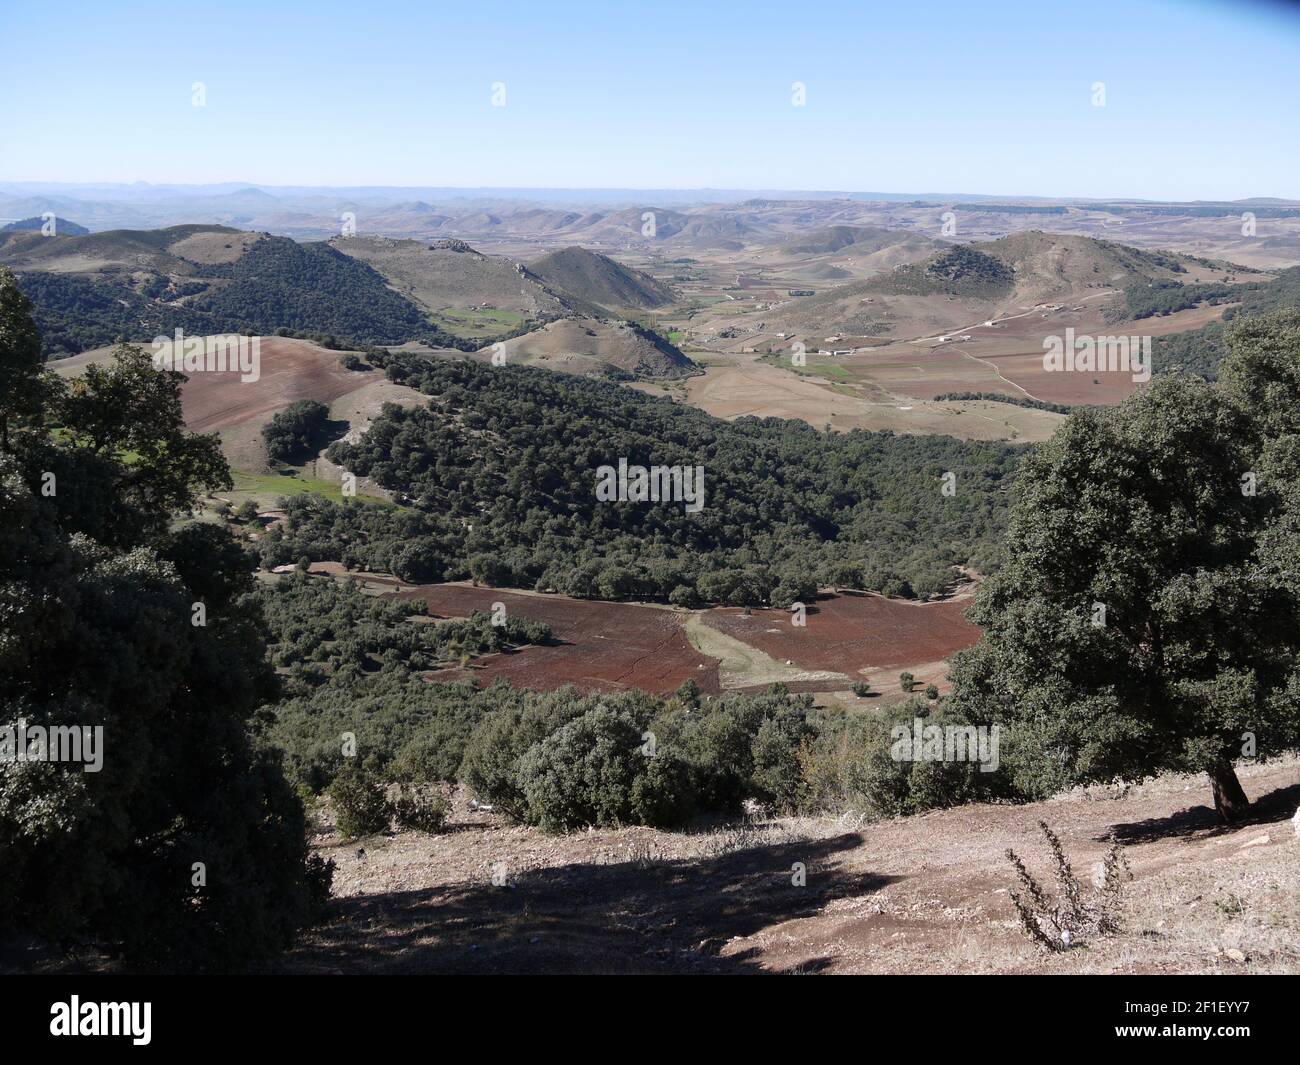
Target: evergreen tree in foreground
187, 848
1147, 617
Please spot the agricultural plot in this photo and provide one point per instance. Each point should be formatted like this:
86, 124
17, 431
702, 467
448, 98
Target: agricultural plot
853, 633
598, 646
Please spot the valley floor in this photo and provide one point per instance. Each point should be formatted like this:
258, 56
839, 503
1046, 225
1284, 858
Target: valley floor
924, 894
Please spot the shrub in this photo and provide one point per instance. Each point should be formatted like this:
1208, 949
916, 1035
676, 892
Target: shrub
490, 765
907, 682
563, 761
423, 811
1058, 924
432, 754
855, 764
360, 808
663, 796
684, 595
319, 873
715, 743
777, 778
583, 773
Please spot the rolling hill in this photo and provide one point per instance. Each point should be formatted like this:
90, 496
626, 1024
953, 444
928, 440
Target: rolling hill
137, 284
963, 283
38, 222
450, 273
93, 289
598, 279
827, 240
592, 346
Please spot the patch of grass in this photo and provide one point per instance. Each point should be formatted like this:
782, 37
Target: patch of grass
829, 371
477, 322
270, 486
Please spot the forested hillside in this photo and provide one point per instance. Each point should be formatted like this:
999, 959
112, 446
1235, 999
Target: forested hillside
145, 287
499, 473
1200, 351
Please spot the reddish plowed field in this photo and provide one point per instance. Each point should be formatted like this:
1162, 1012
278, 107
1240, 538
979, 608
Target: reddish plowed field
848, 633
600, 646
290, 370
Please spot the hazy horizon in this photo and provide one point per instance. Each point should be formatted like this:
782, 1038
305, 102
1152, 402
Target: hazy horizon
680, 194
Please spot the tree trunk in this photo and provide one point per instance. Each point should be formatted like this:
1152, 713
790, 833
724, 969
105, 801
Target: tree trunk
1230, 801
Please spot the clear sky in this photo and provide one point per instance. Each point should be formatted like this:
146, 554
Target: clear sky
1201, 96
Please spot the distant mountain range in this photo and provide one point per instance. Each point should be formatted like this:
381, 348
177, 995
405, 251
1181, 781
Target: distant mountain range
602, 218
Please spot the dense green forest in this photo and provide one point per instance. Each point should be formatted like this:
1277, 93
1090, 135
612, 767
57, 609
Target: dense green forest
75, 314
279, 283
498, 476
323, 629
1167, 297
1200, 351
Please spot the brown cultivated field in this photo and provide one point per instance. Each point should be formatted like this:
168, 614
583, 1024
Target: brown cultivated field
853, 633
866, 399
1008, 358
599, 646
290, 370
608, 647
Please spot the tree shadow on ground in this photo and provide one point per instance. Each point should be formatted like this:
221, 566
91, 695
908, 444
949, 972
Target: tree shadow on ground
651, 916
1277, 805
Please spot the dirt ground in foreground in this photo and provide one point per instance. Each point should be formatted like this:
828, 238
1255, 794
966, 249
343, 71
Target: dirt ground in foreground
921, 894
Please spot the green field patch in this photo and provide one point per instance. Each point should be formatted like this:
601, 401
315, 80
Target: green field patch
292, 483
830, 372
477, 323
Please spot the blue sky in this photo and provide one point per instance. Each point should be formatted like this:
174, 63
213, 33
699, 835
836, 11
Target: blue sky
995, 97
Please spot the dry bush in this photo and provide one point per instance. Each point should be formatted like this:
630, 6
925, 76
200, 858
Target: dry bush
1066, 920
